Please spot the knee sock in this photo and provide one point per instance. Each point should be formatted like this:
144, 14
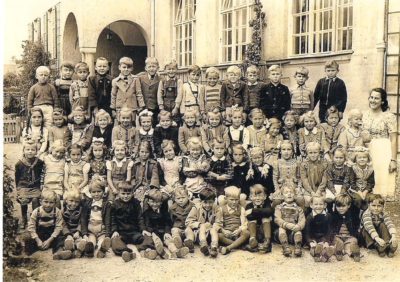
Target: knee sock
252, 226
267, 230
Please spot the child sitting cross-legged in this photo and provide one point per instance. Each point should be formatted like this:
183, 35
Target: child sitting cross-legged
259, 214
201, 219
230, 221
290, 219
126, 222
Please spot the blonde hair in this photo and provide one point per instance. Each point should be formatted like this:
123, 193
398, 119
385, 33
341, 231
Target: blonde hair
253, 69
118, 143
102, 113
48, 195
126, 61
42, 69
170, 63
256, 150
301, 70
309, 114
72, 194
125, 110
81, 66
194, 142
58, 144
151, 60
212, 70
332, 64
234, 69
313, 145
275, 68
232, 191
255, 111
354, 113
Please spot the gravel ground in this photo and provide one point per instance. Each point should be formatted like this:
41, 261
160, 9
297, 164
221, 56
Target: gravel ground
239, 265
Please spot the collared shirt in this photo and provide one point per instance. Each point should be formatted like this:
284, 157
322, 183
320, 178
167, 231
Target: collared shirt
313, 131
301, 97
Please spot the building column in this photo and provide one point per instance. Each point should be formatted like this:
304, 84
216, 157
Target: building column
88, 57
380, 65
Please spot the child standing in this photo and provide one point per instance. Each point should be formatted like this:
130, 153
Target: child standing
43, 95
125, 131
145, 131
332, 129
210, 96
257, 130
96, 220
220, 172
214, 129
63, 85
302, 97
97, 158
289, 130
28, 171
36, 131
189, 129
201, 219
125, 90
231, 222
275, 98
78, 91
76, 171
378, 230
253, 89
126, 222
144, 172
103, 127
237, 133
272, 141
291, 221
169, 167
168, 90
259, 215
232, 92
80, 129
240, 167
59, 130
164, 131
330, 91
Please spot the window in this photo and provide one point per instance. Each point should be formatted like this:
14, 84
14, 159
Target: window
322, 26
184, 23
235, 29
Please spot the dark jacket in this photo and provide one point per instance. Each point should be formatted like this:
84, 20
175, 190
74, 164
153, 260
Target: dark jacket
231, 96
258, 213
72, 220
105, 212
318, 228
126, 217
337, 94
99, 91
149, 89
160, 134
266, 181
159, 223
350, 219
275, 100
28, 177
239, 177
179, 214
107, 135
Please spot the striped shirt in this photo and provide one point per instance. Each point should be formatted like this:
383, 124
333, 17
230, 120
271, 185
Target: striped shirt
369, 221
210, 97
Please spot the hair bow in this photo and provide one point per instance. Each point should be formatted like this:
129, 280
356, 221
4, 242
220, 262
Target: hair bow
146, 112
97, 140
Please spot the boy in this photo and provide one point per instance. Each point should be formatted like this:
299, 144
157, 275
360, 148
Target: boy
201, 219
378, 230
232, 92
330, 91
99, 87
231, 222
125, 91
126, 222
345, 225
148, 86
275, 97
78, 92
63, 85
302, 97
179, 210
44, 228
28, 171
259, 214
71, 213
290, 219
317, 231
253, 89
43, 95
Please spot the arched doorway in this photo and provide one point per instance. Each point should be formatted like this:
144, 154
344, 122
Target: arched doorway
71, 50
119, 39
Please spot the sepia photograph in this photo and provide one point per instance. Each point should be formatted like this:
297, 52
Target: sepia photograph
201, 140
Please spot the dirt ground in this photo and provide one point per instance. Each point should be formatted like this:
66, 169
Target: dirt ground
239, 265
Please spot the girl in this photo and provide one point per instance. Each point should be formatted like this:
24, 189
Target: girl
76, 172
332, 129
311, 173
54, 169
237, 133
80, 129
272, 141
289, 130
364, 180
287, 172
189, 129
214, 129
164, 131
103, 127
354, 136
125, 131
169, 167
145, 132
97, 161
119, 168
257, 130
59, 130
36, 131
194, 167
240, 167
28, 172
144, 172
210, 96
259, 172
311, 133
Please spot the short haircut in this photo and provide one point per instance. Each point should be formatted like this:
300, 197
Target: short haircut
78, 110
67, 65
48, 195
102, 113
81, 66
239, 147
237, 109
343, 200
154, 194
215, 111
354, 113
118, 143
125, 186
102, 59
126, 61
256, 151
253, 69
180, 191
58, 112
42, 69
97, 182
313, 145
341, 150
332, 64
151, 60
234, 69
301, 70
375, 197
171, 63
212, 70
287, 186
275, 68
232, 191
257, 189
195, 69
313, 198
207, 194
290, 113
29, 143
145, 145
332, 110
72, 194
274, 121
309, 114
190, 112
166, 143
359, 151
218, 141
75, 147
164, 113
256, 111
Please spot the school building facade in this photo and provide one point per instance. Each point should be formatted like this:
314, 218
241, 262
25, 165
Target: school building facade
362, 35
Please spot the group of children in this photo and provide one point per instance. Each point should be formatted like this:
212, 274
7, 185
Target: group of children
156, 162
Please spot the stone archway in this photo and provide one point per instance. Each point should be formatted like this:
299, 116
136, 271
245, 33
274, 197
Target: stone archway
71, 50
122, 38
